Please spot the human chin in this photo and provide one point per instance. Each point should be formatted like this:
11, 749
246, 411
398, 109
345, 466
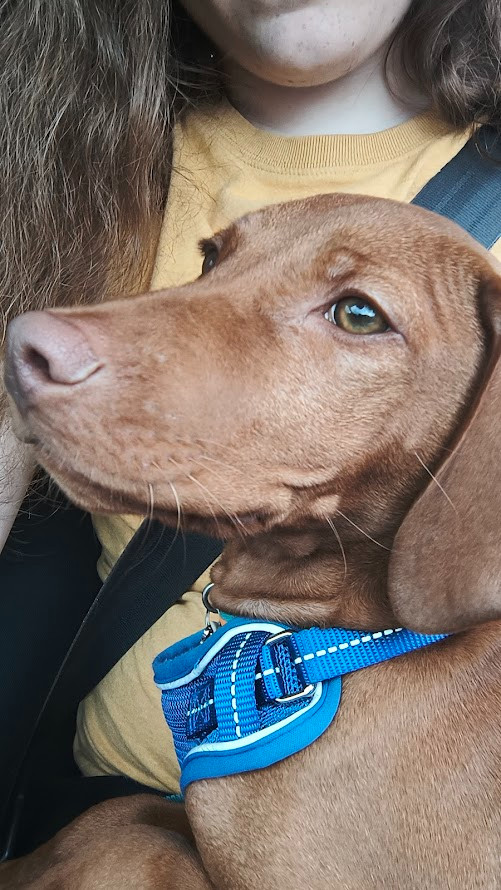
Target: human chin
299, 43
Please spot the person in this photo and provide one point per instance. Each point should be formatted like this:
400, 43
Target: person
222, 108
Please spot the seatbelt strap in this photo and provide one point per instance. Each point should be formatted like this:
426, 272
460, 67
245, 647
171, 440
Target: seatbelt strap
156, 568
468, 189
158, 565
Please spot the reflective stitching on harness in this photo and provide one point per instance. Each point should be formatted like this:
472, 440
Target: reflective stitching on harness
355, 642
267, 672
200, 708
253, 728
233, 678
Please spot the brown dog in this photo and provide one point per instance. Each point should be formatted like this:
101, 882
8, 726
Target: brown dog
327, 397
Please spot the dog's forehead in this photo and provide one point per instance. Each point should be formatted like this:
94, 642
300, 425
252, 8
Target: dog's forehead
353, 222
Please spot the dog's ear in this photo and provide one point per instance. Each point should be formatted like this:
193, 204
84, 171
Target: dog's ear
445, 568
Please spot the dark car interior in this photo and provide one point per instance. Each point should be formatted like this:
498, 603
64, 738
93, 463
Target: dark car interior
66, 631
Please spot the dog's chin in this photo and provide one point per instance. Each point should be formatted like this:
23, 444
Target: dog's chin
97, 497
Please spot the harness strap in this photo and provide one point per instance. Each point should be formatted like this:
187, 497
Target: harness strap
254, 692
293, 661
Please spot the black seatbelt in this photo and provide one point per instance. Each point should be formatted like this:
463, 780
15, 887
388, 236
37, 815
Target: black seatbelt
468, 189
153, 572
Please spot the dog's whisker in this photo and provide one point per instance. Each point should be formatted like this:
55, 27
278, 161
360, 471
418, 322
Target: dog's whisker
178, 505
236, 522
151, 504
435, 480
213, 514
206, 499
233, 519
334, 529
224, 464
214, 472
179, 528
205, 441
362, 532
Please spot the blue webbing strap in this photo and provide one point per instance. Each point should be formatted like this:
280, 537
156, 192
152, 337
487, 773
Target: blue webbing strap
253, 692
317, 654
468, 189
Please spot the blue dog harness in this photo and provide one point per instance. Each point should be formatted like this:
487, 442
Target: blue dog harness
252, 692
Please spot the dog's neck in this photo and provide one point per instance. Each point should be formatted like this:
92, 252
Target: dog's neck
305, 578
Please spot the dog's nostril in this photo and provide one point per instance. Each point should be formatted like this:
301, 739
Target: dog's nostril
37, 362
64, 357
45, 352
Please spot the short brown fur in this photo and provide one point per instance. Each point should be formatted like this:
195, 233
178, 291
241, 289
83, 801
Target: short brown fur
312, 450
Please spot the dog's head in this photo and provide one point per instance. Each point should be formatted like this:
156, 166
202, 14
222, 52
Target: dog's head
335, 356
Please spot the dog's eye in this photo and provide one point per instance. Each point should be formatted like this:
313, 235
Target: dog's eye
355, 315
210, 259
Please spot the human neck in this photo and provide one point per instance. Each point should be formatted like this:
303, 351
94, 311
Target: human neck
359, 102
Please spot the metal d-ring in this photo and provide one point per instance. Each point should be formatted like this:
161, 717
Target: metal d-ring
205, 597
210, 625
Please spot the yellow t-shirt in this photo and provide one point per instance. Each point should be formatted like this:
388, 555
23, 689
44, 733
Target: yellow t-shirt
224, 167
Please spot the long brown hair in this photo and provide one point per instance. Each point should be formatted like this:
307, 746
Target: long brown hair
89, 91
451, 51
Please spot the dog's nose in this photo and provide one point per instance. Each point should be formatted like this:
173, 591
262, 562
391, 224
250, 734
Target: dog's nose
45, 351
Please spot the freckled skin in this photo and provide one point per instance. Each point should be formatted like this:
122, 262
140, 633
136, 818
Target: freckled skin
280, 41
